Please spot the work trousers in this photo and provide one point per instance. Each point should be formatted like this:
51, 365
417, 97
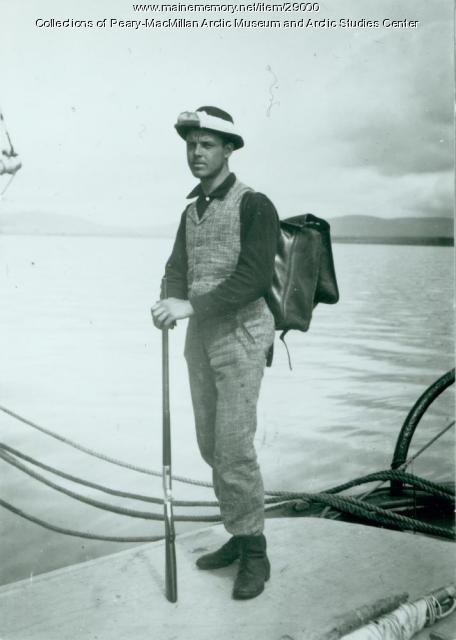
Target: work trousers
226, 357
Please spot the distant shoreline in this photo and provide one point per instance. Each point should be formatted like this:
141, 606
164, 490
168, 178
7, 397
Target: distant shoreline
438, 241
346, 229
426, 241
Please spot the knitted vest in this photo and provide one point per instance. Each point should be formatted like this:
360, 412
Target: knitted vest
213, 242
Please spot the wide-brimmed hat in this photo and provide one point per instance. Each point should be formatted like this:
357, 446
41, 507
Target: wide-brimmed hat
212, 119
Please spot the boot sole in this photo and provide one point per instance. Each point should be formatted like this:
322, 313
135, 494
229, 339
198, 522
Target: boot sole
249, 596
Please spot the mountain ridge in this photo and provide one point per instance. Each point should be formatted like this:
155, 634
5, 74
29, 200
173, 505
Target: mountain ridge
345, 228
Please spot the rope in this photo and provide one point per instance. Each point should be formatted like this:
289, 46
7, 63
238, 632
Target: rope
449, 611
390, 474
369, 511
346, 504
405, 621
402, 467
97, 454
401, 624
133, 513
116, 492
71, 532
434, 610
99, 487
280, 498
378, 475
426, 446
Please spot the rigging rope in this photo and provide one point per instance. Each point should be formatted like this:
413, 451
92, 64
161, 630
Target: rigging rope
426, 446
402, 467
114, 492
430, 487
354, 506
381, 475
99, 487
348, 504
389, 474
146, 515
72, 532
97, 454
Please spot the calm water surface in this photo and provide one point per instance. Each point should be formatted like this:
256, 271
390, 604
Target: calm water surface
79, 355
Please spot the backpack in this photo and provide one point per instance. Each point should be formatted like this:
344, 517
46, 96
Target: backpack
304, 273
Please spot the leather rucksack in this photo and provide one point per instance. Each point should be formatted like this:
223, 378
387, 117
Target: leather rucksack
304, 273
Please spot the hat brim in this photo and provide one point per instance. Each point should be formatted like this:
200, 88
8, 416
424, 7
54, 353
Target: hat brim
235, 139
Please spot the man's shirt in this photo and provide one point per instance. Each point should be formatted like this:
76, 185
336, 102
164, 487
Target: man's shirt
252, 277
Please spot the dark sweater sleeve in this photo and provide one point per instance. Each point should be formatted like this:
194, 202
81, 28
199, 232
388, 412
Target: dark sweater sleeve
176, 267
252, 276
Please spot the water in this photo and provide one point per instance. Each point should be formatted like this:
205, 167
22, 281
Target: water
79, 355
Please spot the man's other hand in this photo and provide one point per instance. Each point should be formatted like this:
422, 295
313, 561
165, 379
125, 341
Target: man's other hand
166, 312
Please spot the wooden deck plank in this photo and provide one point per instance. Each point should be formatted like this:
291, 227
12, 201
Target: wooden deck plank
320, 569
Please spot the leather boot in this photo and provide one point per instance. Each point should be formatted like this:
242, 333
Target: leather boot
254, 567
223, 557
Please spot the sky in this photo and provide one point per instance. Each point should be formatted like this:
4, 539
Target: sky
336, 121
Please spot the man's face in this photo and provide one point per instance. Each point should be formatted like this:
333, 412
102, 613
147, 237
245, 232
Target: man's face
207, 153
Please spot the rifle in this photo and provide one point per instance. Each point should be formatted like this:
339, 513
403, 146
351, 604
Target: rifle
171, 568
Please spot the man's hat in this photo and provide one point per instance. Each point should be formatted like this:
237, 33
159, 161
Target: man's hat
210, 118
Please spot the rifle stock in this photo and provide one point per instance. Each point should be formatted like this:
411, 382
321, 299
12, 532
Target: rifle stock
170, 557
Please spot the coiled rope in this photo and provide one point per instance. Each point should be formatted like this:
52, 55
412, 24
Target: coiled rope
435, 610
420, 483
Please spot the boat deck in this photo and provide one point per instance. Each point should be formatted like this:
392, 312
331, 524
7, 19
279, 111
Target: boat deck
320, 569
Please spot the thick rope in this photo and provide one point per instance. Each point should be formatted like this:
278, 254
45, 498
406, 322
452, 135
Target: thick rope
346, 504
338, 489
100, 487
402, 467
432, 488
377, 514
97, 454
133, 513
115, 492
389, 474
71, 532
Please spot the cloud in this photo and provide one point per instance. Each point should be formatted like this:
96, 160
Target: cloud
405, 125
437, 199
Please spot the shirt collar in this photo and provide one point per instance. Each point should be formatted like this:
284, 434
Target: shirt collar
219, 192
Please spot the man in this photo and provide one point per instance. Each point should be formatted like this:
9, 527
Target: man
218, 275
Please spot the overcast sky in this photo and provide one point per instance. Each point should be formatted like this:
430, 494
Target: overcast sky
336, 121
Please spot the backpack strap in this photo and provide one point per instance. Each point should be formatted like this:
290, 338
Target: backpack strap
282, 337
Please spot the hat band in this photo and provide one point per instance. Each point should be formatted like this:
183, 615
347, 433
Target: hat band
200, 119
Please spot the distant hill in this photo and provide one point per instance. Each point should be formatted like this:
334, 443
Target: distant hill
39, 223
350, 228
392, 230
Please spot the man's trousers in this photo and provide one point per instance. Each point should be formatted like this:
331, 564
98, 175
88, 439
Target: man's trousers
226, 357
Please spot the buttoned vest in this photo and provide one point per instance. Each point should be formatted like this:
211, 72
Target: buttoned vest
214, 241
